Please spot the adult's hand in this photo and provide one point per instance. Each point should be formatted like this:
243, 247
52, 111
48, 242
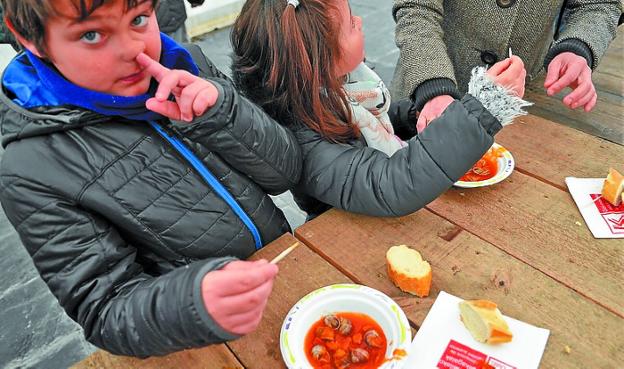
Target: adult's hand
509, 73
570, 70
432, 109
236, 295
193, 95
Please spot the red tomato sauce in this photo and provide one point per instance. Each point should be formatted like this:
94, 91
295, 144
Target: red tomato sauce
485, 168
338, 348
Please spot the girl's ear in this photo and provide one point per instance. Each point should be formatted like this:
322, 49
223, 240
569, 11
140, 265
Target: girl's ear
25, 43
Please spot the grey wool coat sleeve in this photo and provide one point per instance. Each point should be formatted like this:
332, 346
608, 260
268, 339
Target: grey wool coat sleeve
364, 180
594, 23
420, 38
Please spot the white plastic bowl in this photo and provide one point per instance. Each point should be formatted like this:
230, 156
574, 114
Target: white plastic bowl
506, 165
343, 298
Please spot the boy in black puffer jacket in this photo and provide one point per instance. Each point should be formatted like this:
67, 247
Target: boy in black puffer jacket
133, 183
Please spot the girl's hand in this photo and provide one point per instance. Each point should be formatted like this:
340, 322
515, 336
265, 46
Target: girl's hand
432, 109
570, 70
235, 296
509, 73
193, 95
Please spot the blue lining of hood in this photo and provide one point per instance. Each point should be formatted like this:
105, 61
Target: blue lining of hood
36, 83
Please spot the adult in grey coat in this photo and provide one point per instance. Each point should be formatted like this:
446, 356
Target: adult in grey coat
442, 40
171, 15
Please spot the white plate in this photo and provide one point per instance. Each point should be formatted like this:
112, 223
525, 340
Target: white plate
506, 165
343, 298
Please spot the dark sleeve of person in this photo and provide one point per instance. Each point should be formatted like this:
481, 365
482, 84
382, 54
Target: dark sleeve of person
403, 116
365, 180
248, 139
6, 37
433, 88
586, 29
207, 69
195, 3
92, 272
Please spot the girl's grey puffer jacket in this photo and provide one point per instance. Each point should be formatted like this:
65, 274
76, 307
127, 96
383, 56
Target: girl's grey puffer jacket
360, 179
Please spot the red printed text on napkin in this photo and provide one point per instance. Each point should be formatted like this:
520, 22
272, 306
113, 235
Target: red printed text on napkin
612, 215
459, 356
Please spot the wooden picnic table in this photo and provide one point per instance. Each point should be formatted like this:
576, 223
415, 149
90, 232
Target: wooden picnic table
521, 243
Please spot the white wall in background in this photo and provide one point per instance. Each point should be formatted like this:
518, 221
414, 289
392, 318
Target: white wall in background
6, 54
212, 14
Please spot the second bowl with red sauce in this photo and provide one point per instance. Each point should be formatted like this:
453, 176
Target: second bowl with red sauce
496, 165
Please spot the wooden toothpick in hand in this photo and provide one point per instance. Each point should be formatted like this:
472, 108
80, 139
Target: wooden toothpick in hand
284, 253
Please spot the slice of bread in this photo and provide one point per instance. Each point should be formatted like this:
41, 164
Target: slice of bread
408, 271
484, 321
613, 187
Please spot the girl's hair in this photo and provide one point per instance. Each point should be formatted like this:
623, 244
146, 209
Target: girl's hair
30, 16
284, 61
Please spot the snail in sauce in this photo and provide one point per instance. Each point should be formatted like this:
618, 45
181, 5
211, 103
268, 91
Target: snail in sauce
346, 340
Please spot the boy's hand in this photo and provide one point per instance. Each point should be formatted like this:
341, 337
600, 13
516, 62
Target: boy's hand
570, 70
509, 73
193, 95
236, 295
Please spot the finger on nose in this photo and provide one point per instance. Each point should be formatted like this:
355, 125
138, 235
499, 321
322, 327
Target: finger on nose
143, 59
151, 66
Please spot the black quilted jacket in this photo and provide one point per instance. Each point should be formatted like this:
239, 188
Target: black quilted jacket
171, 14
122, 228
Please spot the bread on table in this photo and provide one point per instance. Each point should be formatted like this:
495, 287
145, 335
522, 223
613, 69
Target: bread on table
408, 271
484, 321
613, 187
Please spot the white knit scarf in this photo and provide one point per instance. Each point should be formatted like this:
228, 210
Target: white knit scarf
370, 101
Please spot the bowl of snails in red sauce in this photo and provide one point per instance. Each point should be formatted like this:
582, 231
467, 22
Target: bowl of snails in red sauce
345, 326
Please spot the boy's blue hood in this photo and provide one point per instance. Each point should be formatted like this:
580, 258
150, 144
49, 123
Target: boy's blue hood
34, 85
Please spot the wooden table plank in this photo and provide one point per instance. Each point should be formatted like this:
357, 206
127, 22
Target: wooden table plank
535, 142
604, 121
301, 272
211, 357
469, 267
541, 225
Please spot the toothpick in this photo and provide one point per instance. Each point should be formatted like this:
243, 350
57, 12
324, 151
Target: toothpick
284, 253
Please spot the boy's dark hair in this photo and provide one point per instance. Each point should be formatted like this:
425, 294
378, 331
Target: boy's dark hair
29, 16
283, 61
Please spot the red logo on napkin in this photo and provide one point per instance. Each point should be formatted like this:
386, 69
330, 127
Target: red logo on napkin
459, 356
612, 215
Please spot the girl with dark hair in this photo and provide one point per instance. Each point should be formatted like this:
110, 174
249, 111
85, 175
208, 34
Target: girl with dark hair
302, 62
